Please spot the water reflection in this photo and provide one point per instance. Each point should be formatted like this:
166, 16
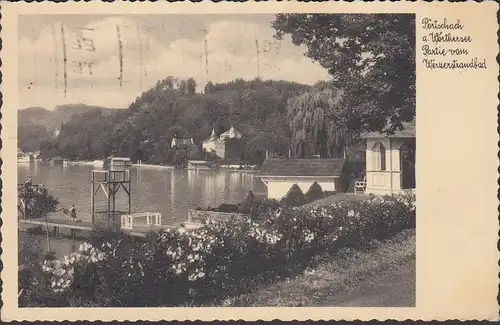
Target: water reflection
170, 192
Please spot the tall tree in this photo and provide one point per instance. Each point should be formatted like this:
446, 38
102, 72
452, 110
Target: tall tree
209, 88
191, 86
371, 57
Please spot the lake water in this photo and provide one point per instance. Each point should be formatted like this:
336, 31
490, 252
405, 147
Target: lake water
170, 192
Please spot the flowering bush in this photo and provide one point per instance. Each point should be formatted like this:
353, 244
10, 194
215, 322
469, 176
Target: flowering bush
221, 258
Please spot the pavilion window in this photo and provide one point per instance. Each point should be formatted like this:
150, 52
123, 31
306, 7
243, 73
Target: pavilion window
378, 157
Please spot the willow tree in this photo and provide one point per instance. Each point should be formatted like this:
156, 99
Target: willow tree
314, 119
371, 57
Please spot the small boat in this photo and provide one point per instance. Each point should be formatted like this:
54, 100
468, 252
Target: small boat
200, 165
98, 163
23, 158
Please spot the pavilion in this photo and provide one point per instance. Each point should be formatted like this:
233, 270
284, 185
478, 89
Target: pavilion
390, 160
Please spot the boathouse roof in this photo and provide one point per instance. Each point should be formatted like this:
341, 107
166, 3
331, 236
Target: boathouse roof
408, 131
301, 167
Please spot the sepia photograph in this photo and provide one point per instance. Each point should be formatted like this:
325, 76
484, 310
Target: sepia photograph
250, 161
216, 160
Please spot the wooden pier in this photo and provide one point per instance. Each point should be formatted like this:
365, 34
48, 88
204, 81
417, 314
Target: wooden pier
105, 182
138, 230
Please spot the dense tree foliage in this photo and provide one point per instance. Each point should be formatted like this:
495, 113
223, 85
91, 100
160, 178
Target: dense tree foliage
31, 135
371, 58
36, 125
144, 132
40, 202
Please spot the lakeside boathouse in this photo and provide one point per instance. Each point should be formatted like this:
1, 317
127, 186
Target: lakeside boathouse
390, 160
280, 174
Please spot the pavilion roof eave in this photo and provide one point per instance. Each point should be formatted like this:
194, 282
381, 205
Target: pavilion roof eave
408, 131
391, 136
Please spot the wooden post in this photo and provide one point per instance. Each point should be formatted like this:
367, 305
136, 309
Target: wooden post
92, 198
112, 201
129, 182
25, 201
109, 198
48, 239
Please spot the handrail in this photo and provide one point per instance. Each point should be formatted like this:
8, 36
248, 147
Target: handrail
152, 218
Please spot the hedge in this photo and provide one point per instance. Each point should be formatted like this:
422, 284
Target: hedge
219, 259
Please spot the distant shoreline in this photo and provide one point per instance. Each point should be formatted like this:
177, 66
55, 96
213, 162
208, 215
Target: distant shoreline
227, 168
153, 166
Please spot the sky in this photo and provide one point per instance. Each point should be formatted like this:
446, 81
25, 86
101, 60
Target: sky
152, 48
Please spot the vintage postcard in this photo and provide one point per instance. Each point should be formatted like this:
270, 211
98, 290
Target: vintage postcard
250, 161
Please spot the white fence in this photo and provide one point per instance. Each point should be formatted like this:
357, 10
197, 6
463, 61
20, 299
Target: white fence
150, 218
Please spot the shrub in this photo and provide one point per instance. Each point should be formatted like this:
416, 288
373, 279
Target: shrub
246, 205
44, 202
261, 208
221, 258
314, 193
294, 197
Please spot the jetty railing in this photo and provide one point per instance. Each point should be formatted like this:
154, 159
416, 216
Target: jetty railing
150, 218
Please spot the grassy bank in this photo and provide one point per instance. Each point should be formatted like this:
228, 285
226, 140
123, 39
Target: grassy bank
381, 275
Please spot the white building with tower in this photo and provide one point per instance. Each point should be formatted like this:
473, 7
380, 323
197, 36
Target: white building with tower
217, 145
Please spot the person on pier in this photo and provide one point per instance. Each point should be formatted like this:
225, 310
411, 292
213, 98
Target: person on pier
72, 213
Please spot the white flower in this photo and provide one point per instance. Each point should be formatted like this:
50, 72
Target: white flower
66, 283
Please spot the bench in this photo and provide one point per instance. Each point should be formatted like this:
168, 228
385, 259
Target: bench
360, 186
